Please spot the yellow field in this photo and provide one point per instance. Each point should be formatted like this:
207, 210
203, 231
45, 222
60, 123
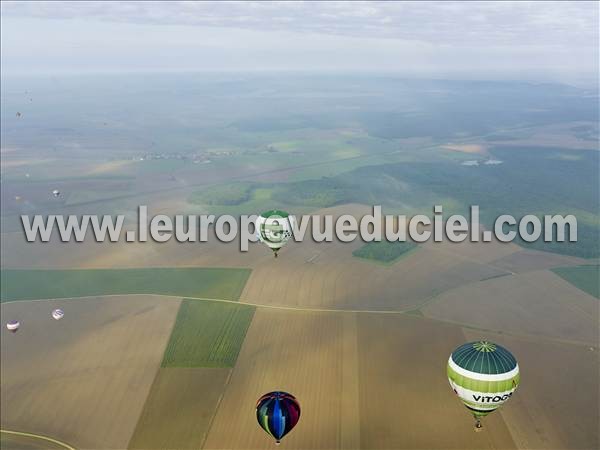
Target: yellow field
84, 379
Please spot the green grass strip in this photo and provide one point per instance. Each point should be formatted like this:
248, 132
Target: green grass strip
586, 278
207, 334
219, 283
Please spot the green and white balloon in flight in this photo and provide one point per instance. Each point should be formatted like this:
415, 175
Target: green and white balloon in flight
484, 375
274, 229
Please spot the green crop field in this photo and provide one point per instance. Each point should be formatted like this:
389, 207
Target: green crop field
586, 278
207, 334
227, 194
384, 251
221, 283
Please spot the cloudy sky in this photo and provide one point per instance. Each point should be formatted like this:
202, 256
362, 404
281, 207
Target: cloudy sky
493, 40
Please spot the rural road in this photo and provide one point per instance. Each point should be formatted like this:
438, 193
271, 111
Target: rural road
38, 436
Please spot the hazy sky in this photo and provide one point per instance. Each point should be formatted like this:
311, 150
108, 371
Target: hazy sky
495, 40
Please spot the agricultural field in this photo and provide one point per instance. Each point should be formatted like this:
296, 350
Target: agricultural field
327, 275
299, 352
207, 334
10, 441
349, 384
402, 367
230, 194
363, 346
385, 252
179, 408
537, 303
224, 284
545, 411
586, 278
203, 347
83, 380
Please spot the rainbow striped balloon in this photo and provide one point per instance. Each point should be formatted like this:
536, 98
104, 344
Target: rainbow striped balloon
277, 413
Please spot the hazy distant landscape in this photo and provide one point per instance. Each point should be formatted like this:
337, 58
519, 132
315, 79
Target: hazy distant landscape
242, 144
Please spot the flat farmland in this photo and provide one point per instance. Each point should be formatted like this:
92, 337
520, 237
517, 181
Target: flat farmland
405, 399
10, 441
534, 303
363, 381
307, 274
529, 260
179, 408
222, 283
17, 253
298, 352
207, 334
586, 278
556, 404
328, 276
84, 379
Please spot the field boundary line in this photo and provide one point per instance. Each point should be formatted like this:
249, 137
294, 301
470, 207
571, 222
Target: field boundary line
314, 310
38, 436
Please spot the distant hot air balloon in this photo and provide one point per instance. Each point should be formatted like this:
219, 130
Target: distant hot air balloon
13, 326
274, 228
277, 413
18, 114
484, 375
58, 314
56, 192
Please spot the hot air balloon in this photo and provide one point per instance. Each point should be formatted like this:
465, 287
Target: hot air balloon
18, 114
274, 228
56, 192
484, 375
58, 314
277, 413
13, 326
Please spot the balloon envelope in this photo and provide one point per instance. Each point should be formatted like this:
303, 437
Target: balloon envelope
274, 228
484, 375
277, 413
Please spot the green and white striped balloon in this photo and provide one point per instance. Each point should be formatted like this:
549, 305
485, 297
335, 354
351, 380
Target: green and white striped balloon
274, 228
484, 375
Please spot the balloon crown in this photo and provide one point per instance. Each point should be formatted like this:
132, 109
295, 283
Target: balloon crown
484, 346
